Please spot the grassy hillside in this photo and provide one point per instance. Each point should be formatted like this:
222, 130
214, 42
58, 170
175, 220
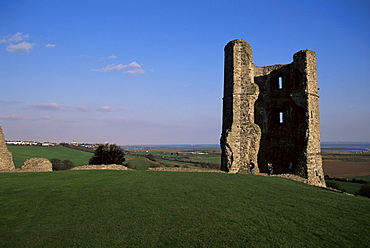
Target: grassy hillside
169, 209
22, 153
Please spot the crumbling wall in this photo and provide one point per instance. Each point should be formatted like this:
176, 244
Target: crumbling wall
240, 135
37, 165
271, 114
6, 158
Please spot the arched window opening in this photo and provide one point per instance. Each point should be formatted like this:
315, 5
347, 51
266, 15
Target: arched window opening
281, 117
280, 80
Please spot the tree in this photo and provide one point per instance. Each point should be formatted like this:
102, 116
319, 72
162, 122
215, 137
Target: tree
108, 154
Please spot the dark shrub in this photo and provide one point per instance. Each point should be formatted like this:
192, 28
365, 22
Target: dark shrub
56, 163
67, 164
108, 154
335, 185
61, 165
364, 191
151, 157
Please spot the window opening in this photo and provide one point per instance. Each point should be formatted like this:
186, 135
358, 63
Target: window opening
280, 83
281, 117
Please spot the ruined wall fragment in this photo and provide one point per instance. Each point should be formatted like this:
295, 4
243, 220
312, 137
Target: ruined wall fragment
37, 165
6, 158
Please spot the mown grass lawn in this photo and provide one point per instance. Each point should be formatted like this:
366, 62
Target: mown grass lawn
173, 209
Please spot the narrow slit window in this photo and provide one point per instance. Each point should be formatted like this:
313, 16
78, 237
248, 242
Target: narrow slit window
280, 83
281, 117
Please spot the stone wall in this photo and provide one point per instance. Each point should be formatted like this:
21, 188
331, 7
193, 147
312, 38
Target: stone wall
6, 158
271, 114
37, 165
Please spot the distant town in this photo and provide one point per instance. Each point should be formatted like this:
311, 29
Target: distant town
35, 143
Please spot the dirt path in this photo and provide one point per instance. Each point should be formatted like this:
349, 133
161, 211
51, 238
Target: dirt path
336, 168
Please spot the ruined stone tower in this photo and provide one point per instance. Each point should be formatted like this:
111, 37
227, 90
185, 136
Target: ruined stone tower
271, 114
6, 158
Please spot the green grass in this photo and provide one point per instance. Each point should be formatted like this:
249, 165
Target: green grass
22, 153
366, 178
350, 187
140, 163
172, 209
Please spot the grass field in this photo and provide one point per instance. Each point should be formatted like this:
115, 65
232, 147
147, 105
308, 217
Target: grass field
169, 209
22, 153
351, 188
346, 156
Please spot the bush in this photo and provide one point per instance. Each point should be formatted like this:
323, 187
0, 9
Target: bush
151, 157
364, 191
108, 154
335, 185
130, 166
61, 165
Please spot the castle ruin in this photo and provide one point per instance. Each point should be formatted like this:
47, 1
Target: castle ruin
271, 115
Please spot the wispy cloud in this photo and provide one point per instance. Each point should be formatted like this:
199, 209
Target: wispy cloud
112, 57
46, 106
16, 117
44, 118
61, 107
119, 67
50, 45
82, 108
135, 71
13, 117
18, 37
109, 109
23, 47
106, 109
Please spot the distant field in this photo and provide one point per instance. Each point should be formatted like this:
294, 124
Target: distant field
22, 153
347, 156
171, 209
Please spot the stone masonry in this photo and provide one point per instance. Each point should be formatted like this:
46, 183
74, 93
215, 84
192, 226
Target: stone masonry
271, 115
6, 158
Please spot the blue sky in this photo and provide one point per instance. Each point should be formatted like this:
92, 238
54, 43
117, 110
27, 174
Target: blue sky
151, 72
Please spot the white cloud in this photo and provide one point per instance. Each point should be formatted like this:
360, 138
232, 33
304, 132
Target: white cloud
136, 71
14, 38
50, 45
112, 57
23, 47
118, 67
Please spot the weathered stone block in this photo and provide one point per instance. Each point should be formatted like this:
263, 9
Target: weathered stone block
37, 165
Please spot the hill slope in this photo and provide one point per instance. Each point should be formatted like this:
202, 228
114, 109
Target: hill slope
22, 153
